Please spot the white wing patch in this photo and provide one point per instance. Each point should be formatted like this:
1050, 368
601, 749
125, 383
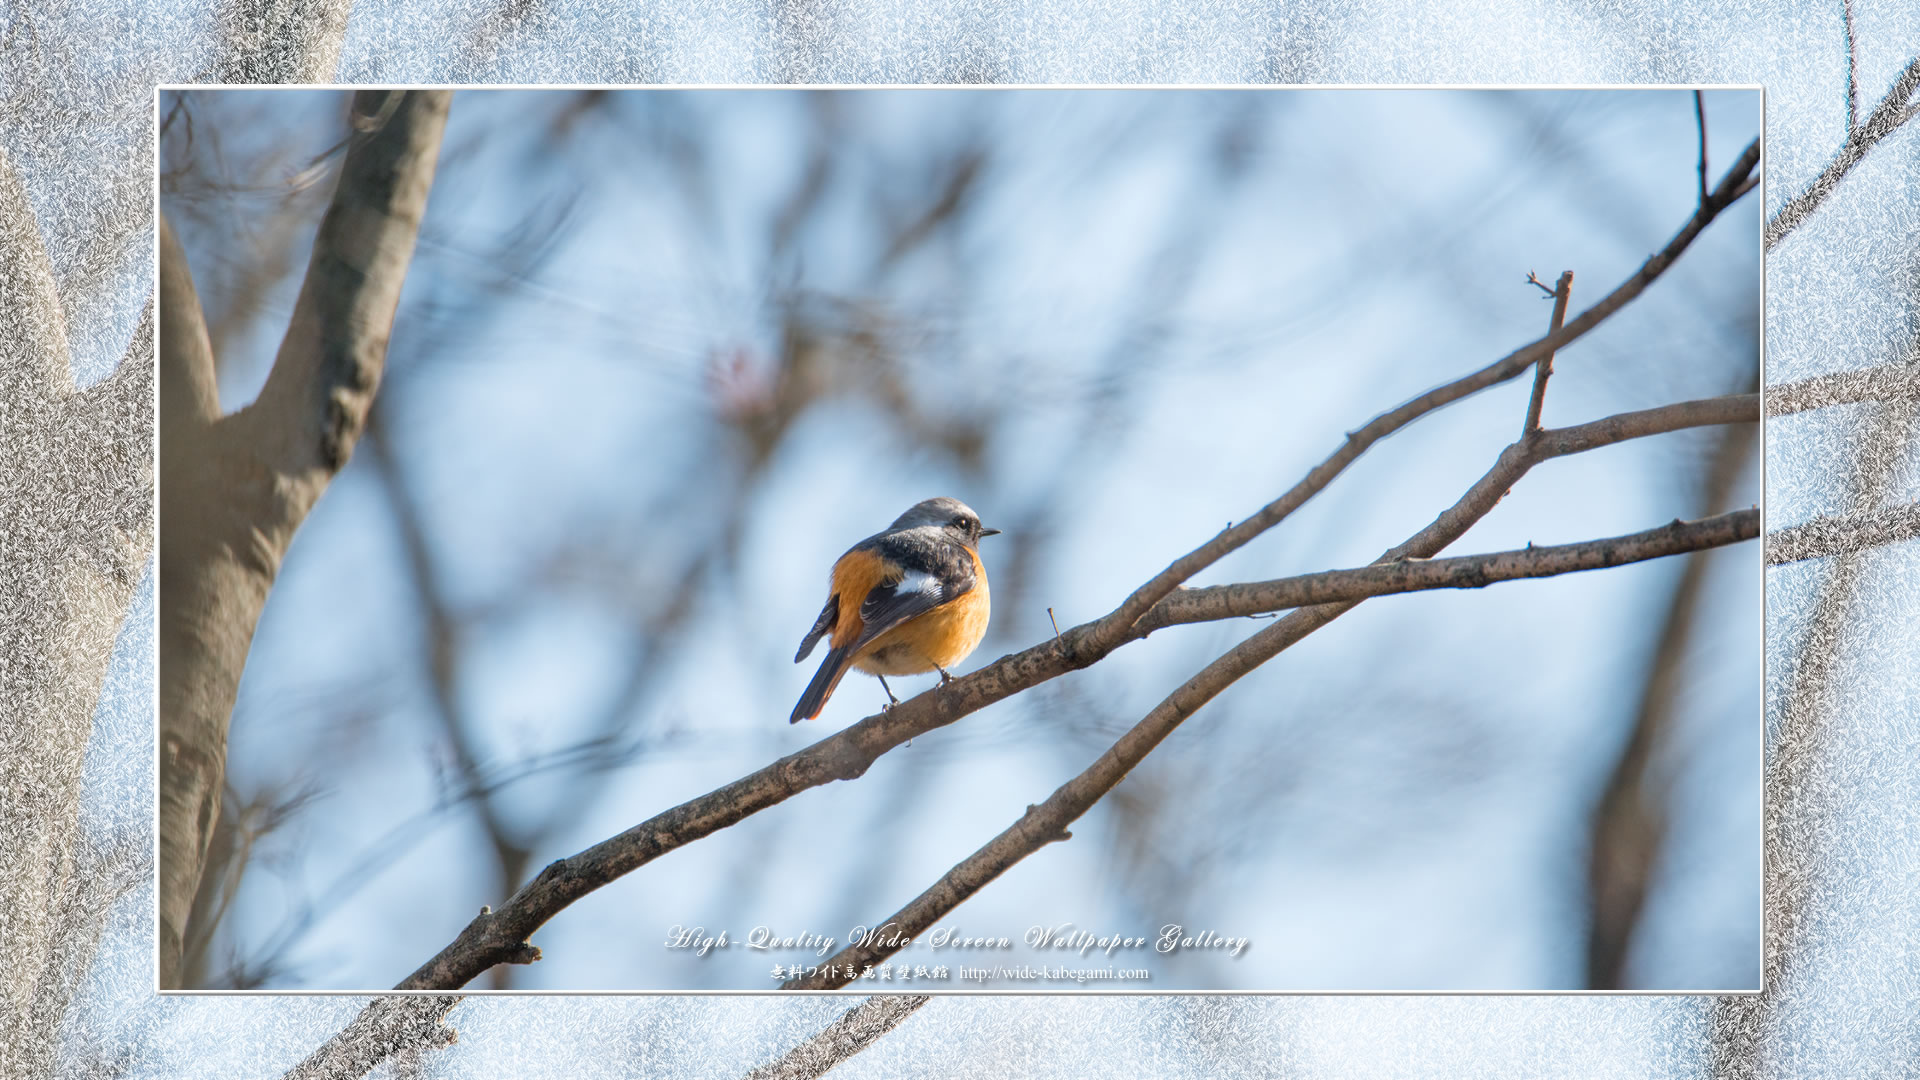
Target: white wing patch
917, 581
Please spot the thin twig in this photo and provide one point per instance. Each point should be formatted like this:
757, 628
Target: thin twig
853, 1031
1562, 292
1853, 68
1700, 115
1047, 822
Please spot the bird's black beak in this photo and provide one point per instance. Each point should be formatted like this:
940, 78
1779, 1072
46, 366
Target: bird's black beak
989, 532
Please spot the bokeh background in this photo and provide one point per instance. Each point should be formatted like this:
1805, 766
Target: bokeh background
662, 355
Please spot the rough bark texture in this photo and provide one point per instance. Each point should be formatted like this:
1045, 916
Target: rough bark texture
851, 1032
386, 1028
236, 487
281, 41
76, 469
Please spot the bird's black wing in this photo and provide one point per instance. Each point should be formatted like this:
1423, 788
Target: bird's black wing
935, 571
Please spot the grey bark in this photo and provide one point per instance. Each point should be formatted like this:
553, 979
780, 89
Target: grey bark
76, 474
236, 487
280, 41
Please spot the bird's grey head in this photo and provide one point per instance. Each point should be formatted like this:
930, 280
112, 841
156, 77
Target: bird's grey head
950, 514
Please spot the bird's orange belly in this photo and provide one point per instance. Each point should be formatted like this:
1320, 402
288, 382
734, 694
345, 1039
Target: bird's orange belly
941, 638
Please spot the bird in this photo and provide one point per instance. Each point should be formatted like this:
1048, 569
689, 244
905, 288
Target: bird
905, 601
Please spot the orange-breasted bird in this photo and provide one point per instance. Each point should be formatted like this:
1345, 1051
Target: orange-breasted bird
909, 600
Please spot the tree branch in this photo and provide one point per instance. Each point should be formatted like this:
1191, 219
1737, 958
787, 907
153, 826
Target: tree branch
1700, 116
853, 1031
501, 935
1562, 292
331, 359
1047, 822
1853, 67
386, 1027
1888, 382
1843, 534
1111, 630
34, 362
189, 397
1462, 572
1883, 121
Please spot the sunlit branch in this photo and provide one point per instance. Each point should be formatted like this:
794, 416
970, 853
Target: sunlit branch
501, 935
1047, 822
1462, 572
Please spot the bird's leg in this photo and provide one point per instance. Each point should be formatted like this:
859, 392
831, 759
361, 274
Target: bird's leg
891, 700
944, 677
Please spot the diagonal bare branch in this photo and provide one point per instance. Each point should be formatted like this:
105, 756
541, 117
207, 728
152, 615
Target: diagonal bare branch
851, 1032
1861, 138
501, 935
1888, 382
1463, 572
1843, 534
386, 1027
1112, 629
1047, 822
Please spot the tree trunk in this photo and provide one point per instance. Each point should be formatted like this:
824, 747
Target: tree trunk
76, 469
234, 488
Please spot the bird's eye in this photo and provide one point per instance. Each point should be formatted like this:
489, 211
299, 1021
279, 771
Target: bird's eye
961, 523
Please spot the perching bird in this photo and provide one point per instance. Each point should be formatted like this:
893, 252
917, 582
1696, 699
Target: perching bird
909, 600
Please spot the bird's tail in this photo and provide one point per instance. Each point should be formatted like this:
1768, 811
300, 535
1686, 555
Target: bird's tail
832, 667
